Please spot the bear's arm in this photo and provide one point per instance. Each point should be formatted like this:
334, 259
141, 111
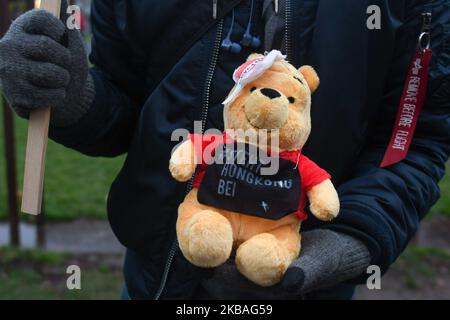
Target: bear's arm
183, 161
195, 150
323, 198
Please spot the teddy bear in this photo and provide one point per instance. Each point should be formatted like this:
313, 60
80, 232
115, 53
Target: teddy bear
232, 207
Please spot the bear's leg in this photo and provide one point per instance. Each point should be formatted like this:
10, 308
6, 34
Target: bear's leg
205, 236
264, 258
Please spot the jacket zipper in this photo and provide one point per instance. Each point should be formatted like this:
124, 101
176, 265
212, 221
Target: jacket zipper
210, 74
204, 115
287, 29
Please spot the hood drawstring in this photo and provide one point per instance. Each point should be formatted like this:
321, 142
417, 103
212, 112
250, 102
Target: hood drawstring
215, 5
274, 24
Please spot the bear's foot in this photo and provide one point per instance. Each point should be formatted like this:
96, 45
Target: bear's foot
206, 239
262, 259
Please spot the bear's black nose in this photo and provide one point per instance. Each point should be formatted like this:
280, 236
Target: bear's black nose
270, 93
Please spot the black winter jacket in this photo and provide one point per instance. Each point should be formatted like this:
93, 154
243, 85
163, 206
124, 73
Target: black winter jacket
158, 67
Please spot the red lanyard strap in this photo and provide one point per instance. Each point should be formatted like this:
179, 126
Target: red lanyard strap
413, 99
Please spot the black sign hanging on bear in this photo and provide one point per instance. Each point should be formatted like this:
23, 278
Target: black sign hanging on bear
234, 182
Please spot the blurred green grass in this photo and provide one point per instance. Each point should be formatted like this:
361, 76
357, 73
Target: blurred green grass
416, 262
76, 186
27, 284
35, 274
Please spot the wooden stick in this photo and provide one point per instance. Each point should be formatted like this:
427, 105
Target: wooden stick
33, 181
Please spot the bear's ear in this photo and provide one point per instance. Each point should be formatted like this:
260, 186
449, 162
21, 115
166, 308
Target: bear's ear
255, 56
311, 77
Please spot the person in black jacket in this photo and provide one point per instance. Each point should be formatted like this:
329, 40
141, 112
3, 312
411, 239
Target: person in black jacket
161, 65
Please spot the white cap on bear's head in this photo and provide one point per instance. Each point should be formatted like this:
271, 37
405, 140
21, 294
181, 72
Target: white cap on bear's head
252, 70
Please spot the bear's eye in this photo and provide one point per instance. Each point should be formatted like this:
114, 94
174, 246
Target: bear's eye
291, 99
252, 89
299, 80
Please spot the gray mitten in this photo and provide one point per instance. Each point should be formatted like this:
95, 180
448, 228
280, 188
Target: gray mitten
44, 64
327, 258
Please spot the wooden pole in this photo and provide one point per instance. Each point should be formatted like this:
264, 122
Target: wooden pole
10, 150
33, 183
40, 218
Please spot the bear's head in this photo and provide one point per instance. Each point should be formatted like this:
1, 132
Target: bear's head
279, 99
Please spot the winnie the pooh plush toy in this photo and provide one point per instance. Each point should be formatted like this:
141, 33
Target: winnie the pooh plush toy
232, 204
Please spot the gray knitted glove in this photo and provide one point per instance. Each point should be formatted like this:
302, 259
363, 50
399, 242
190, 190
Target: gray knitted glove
44, 64
326, 259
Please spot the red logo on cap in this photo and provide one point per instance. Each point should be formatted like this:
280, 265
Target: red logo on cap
246, 68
